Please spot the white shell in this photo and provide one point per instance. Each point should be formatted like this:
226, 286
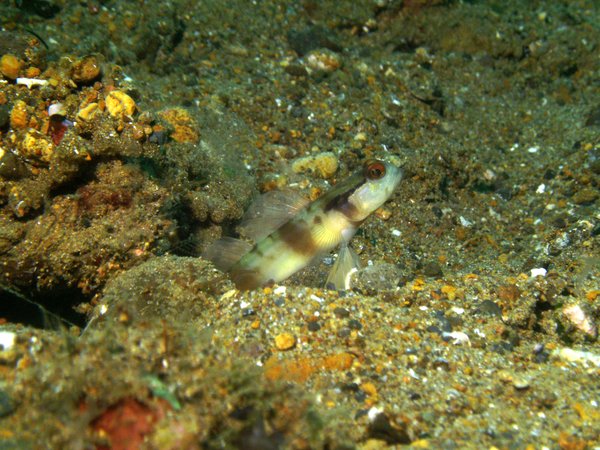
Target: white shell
56, 109
30, 82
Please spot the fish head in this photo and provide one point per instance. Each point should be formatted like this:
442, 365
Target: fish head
380, 181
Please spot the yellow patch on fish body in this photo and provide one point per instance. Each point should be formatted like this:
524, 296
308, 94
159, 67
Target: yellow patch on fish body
314, 230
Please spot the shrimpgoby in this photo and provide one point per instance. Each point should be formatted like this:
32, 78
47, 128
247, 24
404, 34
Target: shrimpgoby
289, 233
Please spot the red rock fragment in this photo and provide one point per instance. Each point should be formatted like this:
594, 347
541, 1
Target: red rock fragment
125, 424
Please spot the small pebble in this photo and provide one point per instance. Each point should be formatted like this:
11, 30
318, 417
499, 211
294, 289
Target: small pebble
314, 326
341, 313
383, 213
508, 293
432, 269
593, 117
323, 61
6, 404
585, 196
10, 66
57, 109
285, 341
344, 332
488, 307
354, 324
4, 116
520, 383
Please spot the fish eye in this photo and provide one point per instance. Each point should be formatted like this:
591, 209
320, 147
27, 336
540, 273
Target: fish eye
375, 170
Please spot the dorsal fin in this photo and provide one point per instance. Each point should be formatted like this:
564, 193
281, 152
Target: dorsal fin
225, 252
269, 211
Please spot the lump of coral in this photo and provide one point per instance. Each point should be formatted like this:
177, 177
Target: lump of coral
19, 116
324, 164
184, 126
88, 112
120, 105
109, 224
35, 146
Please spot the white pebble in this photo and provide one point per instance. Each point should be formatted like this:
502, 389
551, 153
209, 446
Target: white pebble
279, 290
7, 339
465, 222
539, 272
373, 413
458, 337
572, 355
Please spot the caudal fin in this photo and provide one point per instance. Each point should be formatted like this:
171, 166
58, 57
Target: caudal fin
225, 252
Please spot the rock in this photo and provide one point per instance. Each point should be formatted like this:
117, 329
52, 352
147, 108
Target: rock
170, 288
581, 320
11, 167
86, 70
379, 277
341, 313
185, 128
311, 38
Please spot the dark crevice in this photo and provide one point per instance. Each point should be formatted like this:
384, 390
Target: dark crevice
48, 309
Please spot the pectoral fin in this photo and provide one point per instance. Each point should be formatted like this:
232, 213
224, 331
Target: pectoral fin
345, 265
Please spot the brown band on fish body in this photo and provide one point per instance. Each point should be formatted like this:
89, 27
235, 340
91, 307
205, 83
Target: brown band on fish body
349, 210
296, 234
340, 200
343, 204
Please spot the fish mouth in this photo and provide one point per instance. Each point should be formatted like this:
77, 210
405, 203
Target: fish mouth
396, 176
